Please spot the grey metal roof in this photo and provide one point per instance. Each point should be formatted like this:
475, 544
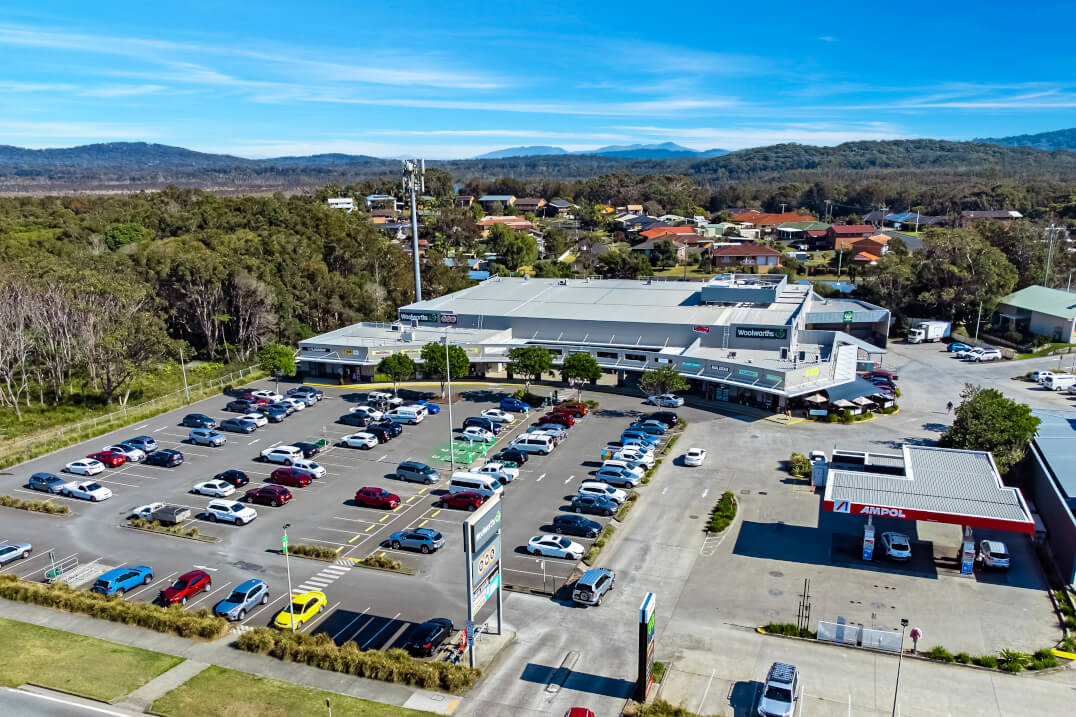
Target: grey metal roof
831, 311
1056, 443
855, 389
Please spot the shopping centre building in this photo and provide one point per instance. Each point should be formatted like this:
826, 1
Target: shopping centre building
747, 338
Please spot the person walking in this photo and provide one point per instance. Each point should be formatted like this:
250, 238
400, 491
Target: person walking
949, 407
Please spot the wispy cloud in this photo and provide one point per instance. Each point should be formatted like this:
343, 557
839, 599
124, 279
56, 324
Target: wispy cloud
669, 107
72, 130
828, 38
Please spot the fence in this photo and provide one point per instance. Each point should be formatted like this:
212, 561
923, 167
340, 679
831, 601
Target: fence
20, 449
859, 636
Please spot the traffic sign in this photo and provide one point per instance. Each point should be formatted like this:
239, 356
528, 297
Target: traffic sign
470, 630
284, 543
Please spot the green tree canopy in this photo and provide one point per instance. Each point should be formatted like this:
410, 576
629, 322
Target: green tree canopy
663, 254
277, 359
530, 361
664, 379
988, 421
436, 364
581, 366
398, 367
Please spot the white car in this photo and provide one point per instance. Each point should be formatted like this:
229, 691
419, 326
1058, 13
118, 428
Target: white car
307, 399
214, 488
270, 396
282, 454
294, 402
359, 440
593, 487
966, 353
498, 416
635, 468
994, 554
368, 411
554, 546
670, 400
308, 466
86, 490
146, 511
478, 434
897, 546
694, 456
259, 419
1041, 376
499, 471
132, 454
634, 453
85, 467
986, 355
230, 511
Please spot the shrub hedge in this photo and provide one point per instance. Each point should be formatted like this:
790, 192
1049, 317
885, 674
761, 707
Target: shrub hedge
173, 620
787, 628
389, 666
623, 511
799, 465
34, 506
724, 512
313, 551
156, 527
599, 543
531, 399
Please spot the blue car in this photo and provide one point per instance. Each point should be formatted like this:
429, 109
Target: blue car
431, 408
958, 346
648, 428
120, 580
243, 598
514, 405
142, 443
639, 435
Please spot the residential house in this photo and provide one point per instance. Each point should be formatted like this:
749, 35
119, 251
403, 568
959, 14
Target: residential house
696, 244
766, 223
1039, 310
865, 257
714, 230
647, 247
905, 220
657, 232
464, 200
875, 245
517, 223
345, 203
636, 208
672, 219
530, 204
842, 236
489, 200
560, 208
791, 231
382, 201
1006, 217
756, 255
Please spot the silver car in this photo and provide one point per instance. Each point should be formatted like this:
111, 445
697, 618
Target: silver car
14, 551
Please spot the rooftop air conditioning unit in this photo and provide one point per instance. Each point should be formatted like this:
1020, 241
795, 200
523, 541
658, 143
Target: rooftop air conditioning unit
396, 327
563, 282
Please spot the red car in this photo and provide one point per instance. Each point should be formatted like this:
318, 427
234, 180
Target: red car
186, 586
109, 458
572, 408
465, 499
273, 495
290, 476
376, 498
579, 712
561, 419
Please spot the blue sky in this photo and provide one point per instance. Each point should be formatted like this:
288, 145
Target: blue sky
446, 79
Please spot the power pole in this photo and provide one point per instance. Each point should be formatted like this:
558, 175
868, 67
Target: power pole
881, 212
829, 209
1052, 231
783, 205
414, 181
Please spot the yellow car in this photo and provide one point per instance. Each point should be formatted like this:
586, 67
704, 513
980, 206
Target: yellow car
306, 605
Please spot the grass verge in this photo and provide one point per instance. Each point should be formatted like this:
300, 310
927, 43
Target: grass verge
316, 552
154, 526
390, 666
383, 562
599, 543
659, 671
81, 665
34, 506
220, 692
623, 511
724, 512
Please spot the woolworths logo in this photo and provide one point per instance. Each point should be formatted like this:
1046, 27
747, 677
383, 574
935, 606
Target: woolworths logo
761, 333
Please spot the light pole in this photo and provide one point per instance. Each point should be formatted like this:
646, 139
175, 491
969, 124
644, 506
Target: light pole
448, 384
183, 367
287, 563
903, 627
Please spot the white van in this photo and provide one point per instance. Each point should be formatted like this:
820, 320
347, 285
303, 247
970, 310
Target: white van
406, 414
1060, 381
534, 443
486, 485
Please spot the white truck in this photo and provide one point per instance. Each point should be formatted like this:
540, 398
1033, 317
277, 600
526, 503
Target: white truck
923, 331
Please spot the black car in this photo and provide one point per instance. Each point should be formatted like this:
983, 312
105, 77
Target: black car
47, 482
242, 392
238, 425
423, 640
573, 524
309, 449
483, 422
669, 418
235, 477
287, 408
389, 425
240, 406
512, 454
597, 504
274, 414
198, 420
166, 457
353, 419
382, 433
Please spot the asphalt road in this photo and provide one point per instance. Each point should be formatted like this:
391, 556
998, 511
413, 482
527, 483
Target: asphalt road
14, 702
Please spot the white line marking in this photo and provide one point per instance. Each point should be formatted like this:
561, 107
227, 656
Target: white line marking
337, 569
205, 595
157, 582
540, 477
379, 631
263, 607
568, 480
705, 492
139, 428
320, 582
707, 691
345, 627
381, 459
161, 428
665, 490
304, 587
254, 441
320, 617
48, 698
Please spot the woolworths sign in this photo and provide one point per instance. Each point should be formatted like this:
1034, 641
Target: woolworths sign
761, 333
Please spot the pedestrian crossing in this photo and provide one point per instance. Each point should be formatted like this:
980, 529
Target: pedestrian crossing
323, 579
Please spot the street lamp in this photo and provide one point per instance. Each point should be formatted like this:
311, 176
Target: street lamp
287, 563
903, 627
448, 383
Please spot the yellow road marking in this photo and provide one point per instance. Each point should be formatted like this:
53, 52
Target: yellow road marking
369, 528
423, 523
383, 519
394, 510
356, 537
355, 560
410, 499
434, 514
421, 491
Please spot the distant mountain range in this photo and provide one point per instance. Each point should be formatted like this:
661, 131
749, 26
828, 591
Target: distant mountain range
1050, 141
664, 150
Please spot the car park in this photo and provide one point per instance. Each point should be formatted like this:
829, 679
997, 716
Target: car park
475, 434
214, 488
554, 546
560, 419
372, 497
896, 546
362, 439
593, 585
85, 467
514, 405
15, 551
666, 399
598, 488
369, 411
781, 692
165, 458
594, 504
416, 472
423, 640
695, 457
207, 437
616, 476
47, 482
244, 597
574, 524
271, 495
256, 418
303, 607
354, 419
295, 403
198, 420
484, 423
462, 500
270, 396
130, 453
425, 540
498, 416
238, 425
230, 511
143, 443
994, 554
275, 414
120, 580
185, 587
236, 477
281, 454
291, 477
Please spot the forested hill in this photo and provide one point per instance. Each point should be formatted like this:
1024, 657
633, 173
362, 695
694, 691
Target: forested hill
1058, 139
125, 167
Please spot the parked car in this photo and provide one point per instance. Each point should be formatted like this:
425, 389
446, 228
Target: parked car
244, 597
554, 546
464, 499
897, 546
132, 454
85, 467
653, 428
431, 408
423, 640
309, 449
577, 409
666, 399
391, 427
143, 443
633, 436
359, 440
303, 607
15, 551
120, 580
669, 418
504, 473
354, 419
560, 419
165, 458
512, 454
230, 511
317, 393
207, 437
556, 430
616, 476
1041, 376
417, 472
86, 490
284, 406
281, 454
514, 405
368, 411
376, 498
968, 352
580, 712
994, 554
598, 488
236, 477
593, 585
425, 540
47, 482
214, 488
241, 392
238, 425
239, 405
296, 403
595, 504
382, 434
634, 468
781, 692
987, 355
275, 414
476, 434
112, 459
291, 477
272, 495
309, 467
304, 399
145, 512
633, 453
270, 396
484, 423
695, 457
573, 524
498, 416
258, 419
198, 420
958, 346
185, 587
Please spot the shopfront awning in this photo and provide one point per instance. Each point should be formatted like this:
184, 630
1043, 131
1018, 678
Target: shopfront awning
816, 398
862, 401
851, 391
841, 403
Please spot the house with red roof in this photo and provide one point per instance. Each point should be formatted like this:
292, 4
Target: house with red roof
873, 245
842, 236
657, 232
757, 255
768, 222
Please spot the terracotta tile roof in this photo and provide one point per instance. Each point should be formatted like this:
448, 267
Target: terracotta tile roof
815, 233
663, 231
852, 228
760, 219
865, 256
745, 250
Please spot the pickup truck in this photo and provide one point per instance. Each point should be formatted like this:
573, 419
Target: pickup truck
162, 513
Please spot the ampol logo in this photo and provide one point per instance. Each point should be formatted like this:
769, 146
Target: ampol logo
841, 506
888, 512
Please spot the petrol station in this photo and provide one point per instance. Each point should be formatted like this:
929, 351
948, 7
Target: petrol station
923, 483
